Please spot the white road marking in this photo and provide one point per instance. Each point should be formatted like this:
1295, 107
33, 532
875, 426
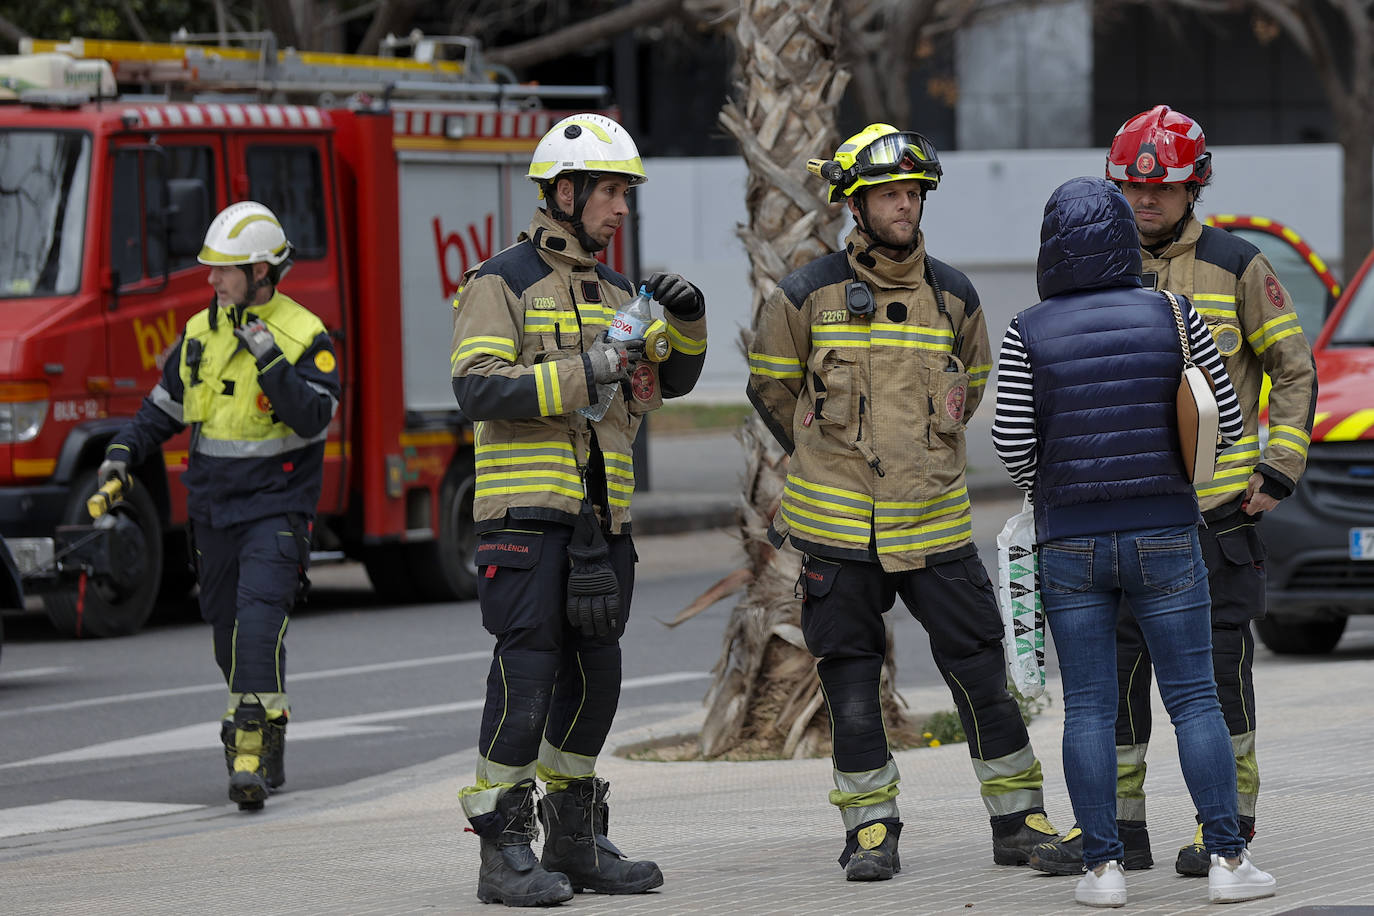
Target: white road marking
71, 813
25, 673
210, 688
205, 736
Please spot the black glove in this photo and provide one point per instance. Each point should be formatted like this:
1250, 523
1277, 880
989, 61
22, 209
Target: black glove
593, 590
676, 295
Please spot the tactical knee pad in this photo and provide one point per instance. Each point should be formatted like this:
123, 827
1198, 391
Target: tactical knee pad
585, 699
851, 688
519, 687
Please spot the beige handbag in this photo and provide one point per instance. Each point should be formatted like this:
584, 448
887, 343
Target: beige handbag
1198, 415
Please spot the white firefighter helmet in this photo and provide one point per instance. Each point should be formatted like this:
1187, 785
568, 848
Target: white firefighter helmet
586, 143
245, 233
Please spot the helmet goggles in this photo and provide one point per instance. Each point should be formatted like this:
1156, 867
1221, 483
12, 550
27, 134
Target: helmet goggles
893, 154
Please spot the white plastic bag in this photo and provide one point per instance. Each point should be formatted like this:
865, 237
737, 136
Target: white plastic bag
1018, 595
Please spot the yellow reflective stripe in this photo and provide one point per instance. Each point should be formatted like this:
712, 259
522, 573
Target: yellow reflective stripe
957, 501
1274, 330
1245, 448
1216, 489
829, 497
947, 531
506, 490
1352, 427
1290, 437
618, 461
1215, 313
547, 445
1214, 297
978, 375
684, 344
539, 481
775, 366
822, 526
916, 337
500, 347
839, 335
539, 322
592, 313
547, 389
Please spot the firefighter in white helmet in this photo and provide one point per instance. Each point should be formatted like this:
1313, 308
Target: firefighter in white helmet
255, 377
552, 507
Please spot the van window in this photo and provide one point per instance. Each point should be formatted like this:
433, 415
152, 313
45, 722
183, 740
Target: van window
138, 244
288, 181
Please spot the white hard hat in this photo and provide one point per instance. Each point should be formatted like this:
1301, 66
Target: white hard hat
245, 233
586, 143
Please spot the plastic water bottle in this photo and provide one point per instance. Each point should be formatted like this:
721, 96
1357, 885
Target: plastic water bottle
629, 323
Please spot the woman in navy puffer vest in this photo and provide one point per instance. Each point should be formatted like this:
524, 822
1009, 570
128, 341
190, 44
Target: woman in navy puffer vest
1086, 425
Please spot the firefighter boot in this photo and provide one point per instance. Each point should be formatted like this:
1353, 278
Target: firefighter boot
1065, 856
274, 748
870, 851
510, 873
1193, 859
248, 771
1014, 836
575, 842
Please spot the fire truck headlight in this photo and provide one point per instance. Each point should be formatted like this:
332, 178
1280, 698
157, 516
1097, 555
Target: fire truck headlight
23, 407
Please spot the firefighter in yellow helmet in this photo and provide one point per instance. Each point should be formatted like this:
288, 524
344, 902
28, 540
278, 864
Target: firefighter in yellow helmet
865, 364
255, 377
552, 508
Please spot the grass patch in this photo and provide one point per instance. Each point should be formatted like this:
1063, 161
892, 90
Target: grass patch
687, 418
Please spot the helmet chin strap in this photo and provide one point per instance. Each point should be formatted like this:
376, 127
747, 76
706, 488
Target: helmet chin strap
583, 185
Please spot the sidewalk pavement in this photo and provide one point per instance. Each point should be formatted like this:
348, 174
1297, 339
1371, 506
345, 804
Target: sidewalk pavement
732, 838
695, 477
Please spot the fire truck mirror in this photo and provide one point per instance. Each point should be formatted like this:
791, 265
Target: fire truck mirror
188, 214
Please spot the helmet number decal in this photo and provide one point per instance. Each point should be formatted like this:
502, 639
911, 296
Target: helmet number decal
1273, 291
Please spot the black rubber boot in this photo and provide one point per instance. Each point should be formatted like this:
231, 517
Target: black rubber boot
1194, 860
248, 770
1065, 856
870, 851
1015, 835
274, 751
510, 873
575, 842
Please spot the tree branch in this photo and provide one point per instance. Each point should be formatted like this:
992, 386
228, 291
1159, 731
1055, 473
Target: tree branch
583, 35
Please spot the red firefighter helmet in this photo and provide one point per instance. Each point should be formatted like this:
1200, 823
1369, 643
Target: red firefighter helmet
1160, 146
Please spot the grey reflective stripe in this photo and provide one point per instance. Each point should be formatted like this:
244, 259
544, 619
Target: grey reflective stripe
333, 401
496, 778
163, 400
563, 766
857, 783
255, 448
887, 512
923, 537
1017, 767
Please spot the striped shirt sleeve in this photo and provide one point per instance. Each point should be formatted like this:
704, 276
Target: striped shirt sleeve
1205, 354
1013, 427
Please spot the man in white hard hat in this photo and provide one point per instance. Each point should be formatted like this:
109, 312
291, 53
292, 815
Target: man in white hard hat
255, 377
552, 507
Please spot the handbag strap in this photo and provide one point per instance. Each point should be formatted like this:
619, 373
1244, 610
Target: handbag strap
1182, 330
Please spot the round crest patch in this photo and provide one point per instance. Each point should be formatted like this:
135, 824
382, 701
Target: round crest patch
264, 404
324, 361
1145, 163
1273, 291
1227, 337
954, 403
642, 383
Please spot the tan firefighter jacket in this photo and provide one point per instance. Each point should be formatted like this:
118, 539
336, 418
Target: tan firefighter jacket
1256, 329
872, 409
521, 321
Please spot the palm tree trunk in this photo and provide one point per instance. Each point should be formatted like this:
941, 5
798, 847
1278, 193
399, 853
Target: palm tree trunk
766, 695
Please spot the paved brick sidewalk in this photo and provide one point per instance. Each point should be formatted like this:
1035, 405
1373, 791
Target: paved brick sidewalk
732, 838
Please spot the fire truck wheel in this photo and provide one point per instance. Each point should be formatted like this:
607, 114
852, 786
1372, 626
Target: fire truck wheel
107, 610
445, 569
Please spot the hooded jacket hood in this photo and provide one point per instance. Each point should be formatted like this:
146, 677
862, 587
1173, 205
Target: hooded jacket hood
1088, 239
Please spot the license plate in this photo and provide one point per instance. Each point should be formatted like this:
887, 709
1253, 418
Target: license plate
1362, 543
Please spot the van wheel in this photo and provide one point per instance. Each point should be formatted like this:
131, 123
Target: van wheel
1292, 636
112, 609
445, 569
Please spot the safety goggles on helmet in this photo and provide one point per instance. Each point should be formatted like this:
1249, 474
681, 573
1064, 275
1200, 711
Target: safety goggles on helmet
894, 154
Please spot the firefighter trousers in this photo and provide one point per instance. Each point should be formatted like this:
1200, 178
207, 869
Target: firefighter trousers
552, 692
842, 622
1234, 554
250, 576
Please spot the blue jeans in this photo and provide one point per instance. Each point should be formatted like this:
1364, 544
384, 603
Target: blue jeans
1160, 571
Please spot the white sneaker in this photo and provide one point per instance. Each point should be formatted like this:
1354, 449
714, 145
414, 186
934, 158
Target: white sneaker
1227, 884
1104, 885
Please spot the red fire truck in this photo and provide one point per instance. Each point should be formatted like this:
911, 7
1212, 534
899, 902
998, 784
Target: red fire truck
104, 201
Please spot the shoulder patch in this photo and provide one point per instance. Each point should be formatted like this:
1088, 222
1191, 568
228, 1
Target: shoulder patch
954, 282
519, 265
618, 279
1226, 250
824, 271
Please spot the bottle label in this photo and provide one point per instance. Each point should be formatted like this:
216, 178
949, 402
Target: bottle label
626, 327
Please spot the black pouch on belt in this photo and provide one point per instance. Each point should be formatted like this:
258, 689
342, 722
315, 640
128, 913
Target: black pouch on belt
593, 590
